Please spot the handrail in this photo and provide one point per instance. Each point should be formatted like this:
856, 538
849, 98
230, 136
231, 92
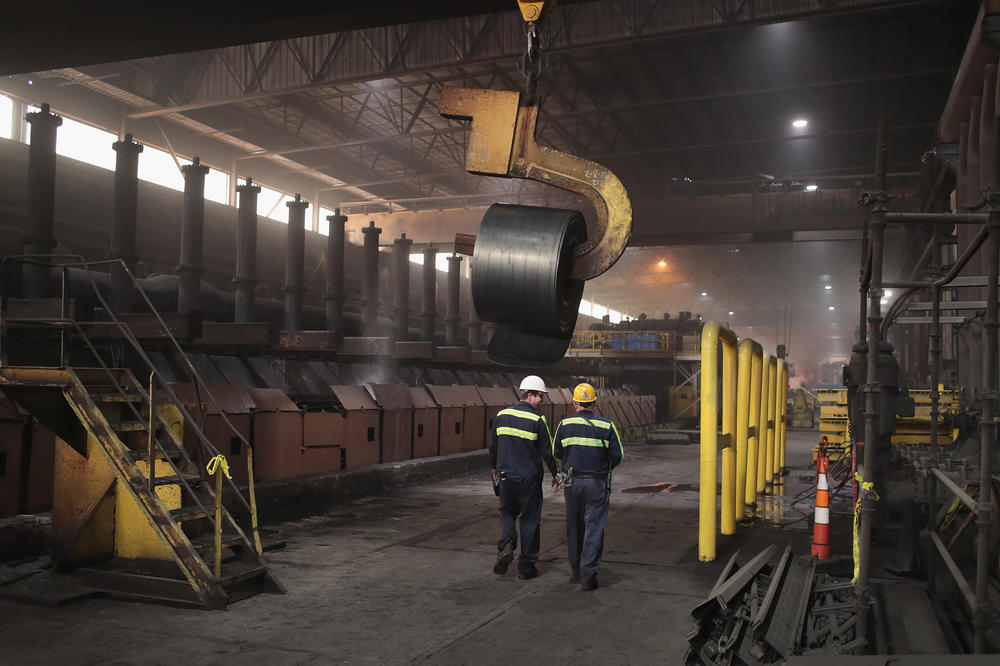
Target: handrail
130, 338
751, 356
963, 496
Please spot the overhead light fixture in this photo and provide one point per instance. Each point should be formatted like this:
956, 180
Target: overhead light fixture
812, 188
831, 308
730, 313
799, 123
661, 263
828, 287
704, 293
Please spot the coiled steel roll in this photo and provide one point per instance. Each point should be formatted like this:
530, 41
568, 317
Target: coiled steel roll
520, 280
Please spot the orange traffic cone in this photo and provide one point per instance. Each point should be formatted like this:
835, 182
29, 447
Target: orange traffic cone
821, 522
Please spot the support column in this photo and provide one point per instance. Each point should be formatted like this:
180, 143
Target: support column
454, 290
335, 273
428, 315
123, 221
475, 323
190, 268
17, 132
872, 388
295, 257
369, 288
40, 212
401, 251
246, 251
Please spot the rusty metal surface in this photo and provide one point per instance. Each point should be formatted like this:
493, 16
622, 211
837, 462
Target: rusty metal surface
354, 398
502, 143
271, 400
367, 346
183, 326
229, 335
414, 349
451, 354
308, 341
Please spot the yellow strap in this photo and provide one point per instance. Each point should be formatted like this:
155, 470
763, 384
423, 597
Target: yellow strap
217, 462
865, 485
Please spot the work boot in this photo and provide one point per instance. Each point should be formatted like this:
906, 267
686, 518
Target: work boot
527, 573
574, 577
589, 584
504, 558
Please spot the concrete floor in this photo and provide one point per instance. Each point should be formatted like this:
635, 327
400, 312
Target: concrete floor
407, 577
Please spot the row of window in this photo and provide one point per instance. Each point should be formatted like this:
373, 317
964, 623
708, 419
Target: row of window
92, 145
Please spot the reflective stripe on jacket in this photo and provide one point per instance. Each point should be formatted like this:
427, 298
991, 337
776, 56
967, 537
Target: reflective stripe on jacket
587, 443
519, 442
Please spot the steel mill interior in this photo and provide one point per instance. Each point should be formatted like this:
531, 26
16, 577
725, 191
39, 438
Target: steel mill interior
301, 308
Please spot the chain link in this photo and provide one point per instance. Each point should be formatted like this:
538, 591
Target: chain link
531, 64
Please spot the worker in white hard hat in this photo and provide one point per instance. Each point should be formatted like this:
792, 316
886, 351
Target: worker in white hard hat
519, 443
587, 447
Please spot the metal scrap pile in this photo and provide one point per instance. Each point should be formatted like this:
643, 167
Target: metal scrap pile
760, 613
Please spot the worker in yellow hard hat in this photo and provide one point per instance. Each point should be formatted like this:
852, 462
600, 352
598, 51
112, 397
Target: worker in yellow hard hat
587, 447
519, 443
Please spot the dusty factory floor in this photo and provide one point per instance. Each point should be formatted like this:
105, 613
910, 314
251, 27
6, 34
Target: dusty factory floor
407, 577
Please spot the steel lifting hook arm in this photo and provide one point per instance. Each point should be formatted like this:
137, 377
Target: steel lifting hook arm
502, 143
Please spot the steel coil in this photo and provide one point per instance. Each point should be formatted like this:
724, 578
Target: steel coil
520, 280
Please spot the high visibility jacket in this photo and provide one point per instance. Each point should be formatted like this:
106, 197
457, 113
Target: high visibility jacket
520, 441
588, 444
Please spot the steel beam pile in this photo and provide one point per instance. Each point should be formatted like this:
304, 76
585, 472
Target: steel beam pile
762, 613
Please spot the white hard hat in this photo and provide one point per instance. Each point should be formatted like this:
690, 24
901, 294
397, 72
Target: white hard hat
532, 383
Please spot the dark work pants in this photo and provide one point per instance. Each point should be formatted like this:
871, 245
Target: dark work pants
521, 498
587, 502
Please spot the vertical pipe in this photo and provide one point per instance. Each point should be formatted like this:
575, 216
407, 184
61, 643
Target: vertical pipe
475, 324
753, 440
246, 251
765, 391
295, 258
428, 315
708, 471
17, 127
872, 388
454, 291
729, 495
782, 422
772, 401
986, 121
123, 221
335, 273
988, 426
972, 191
962, 174
369, 288
401, 252
40, 211
190, 267
743, 421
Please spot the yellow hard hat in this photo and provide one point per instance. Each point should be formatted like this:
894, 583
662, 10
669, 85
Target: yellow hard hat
584, 393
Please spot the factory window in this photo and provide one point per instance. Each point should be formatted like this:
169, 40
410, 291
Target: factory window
271, 203
6, 117
158, 166
420, 430
324, 224
371, 434
235, 446
585, 307
217, 186
86, 144
614, 316
441, 260
599, 311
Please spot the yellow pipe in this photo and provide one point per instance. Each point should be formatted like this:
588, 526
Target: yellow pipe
779, 374
783, 389
711, 335
743, 420
729, 494
753, 419
772, 385
762, 423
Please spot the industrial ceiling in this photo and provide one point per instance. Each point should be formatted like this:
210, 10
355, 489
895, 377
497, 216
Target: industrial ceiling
689, 102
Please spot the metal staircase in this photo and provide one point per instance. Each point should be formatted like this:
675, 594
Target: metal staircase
191, 549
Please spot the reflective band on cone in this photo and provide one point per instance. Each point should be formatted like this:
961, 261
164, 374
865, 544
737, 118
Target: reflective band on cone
821, 522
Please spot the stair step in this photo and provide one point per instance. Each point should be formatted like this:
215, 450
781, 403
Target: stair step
143, 454
206, 542
187, 513
237, 572
115, 396
193, 481
129, 426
